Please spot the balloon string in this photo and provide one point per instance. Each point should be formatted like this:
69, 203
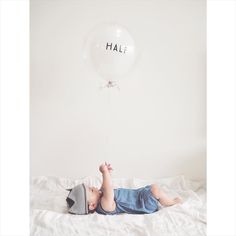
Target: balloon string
108, 143
108, 125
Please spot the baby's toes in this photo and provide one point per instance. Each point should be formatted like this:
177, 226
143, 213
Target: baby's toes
178, 200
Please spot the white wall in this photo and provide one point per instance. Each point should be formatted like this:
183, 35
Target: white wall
155, 126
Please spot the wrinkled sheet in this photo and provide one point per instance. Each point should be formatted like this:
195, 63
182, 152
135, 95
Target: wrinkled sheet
49, 217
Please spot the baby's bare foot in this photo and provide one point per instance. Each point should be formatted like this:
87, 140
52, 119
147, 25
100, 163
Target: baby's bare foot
178, 200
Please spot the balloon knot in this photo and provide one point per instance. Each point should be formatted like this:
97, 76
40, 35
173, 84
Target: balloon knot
111, 84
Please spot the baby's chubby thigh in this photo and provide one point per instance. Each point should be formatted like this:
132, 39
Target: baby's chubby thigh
155, 191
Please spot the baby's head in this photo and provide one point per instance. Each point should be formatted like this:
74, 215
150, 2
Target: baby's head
83, 199
93, 197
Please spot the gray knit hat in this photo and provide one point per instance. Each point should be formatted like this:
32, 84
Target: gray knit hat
77, 200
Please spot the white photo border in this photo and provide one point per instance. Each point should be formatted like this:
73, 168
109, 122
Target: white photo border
221, 117
14, 159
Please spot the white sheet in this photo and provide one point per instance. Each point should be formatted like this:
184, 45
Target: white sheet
49, 210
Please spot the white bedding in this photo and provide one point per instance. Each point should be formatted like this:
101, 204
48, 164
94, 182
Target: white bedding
49, 215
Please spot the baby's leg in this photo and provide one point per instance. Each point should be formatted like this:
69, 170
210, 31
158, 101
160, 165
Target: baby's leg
162, 197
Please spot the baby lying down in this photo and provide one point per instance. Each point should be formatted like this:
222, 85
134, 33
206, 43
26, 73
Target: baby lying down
83, 199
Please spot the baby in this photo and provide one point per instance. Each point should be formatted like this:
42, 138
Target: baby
83, 199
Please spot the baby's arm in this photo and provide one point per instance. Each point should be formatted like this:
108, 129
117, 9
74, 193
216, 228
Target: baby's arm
107, 200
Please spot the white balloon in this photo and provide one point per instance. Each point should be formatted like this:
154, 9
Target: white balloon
112, 51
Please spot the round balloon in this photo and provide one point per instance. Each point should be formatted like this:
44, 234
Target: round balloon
112, 51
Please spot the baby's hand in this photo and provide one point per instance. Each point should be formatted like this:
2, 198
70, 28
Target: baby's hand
105, 167
109, 167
